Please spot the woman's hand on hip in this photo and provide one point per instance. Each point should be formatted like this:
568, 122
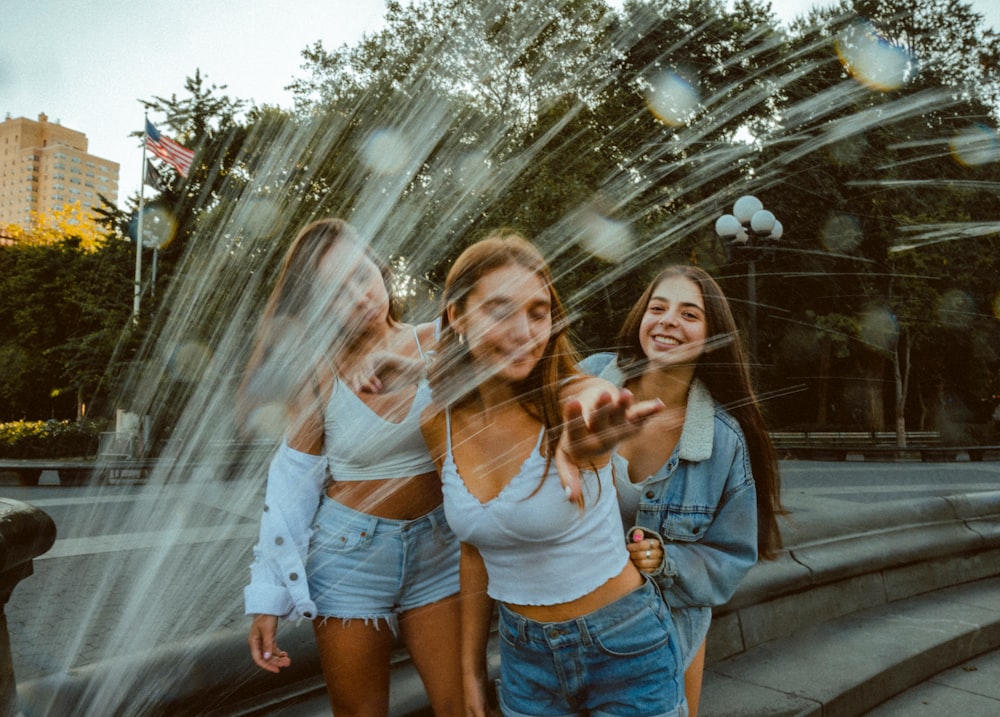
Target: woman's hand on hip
645, 553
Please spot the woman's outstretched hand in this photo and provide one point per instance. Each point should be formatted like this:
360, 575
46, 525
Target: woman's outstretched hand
263, 648
591, 432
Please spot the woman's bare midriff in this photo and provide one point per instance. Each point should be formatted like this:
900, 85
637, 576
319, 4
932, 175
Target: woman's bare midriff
622, 584
394, 498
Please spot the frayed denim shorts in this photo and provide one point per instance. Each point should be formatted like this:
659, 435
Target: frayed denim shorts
361, 566
618, 661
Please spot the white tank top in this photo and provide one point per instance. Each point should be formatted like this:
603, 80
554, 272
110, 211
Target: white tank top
538, 547
361, 445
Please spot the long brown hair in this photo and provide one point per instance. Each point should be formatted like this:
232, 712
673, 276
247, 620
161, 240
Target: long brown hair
296, 330
452, 375
724, 369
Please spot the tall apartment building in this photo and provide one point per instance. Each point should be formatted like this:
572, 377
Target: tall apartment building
45, 166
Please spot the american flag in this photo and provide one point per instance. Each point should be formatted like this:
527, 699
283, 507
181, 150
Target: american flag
177, 156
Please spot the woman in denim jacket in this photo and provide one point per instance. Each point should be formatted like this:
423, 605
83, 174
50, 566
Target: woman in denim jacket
699, 483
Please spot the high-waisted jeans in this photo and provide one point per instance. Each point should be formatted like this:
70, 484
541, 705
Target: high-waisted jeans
618, 661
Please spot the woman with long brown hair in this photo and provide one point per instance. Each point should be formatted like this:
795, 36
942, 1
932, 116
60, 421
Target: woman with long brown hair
523, 442
353, 535
699, 482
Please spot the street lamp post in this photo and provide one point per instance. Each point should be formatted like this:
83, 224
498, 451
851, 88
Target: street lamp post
748, 234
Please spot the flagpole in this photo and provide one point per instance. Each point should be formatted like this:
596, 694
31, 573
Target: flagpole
138, 231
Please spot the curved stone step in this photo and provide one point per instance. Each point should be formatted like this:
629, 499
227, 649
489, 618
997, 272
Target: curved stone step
846, 666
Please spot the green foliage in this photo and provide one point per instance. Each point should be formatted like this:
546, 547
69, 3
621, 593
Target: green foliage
49, 439
546, 117
63, 312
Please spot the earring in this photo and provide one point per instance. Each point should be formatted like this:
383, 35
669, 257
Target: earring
461, 340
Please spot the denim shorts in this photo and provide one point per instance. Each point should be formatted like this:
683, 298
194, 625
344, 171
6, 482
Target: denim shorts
618, 661
361, 566
691, 628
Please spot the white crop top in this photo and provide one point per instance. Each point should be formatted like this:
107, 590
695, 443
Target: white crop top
361, 445
539, 549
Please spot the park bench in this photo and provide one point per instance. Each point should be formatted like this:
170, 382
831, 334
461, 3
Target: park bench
877, 445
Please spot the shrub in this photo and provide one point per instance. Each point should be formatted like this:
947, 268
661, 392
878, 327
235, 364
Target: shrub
49, 439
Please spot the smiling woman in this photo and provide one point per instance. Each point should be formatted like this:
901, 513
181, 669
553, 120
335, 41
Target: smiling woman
698, 483
523, 441
353, 535
672, 329
507, 322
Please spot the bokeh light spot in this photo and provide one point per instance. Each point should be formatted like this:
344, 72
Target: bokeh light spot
158, 227
672, 99
474, 169
268, 421
385, 151
849, 150
975, 145
872, 60
189, 361
956, 309
260, 216
878, 328
841, 234
603, 237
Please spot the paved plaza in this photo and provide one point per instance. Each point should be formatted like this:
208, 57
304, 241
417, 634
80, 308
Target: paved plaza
134, 567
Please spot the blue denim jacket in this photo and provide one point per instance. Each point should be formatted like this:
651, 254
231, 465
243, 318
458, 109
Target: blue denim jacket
701, 504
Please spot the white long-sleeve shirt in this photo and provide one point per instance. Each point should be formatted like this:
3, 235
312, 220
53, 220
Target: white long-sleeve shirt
278, 584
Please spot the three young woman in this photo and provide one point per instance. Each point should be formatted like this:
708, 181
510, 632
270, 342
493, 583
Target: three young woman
699, 482
523, 444
353, 535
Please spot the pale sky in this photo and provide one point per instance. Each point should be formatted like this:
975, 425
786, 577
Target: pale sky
86, 63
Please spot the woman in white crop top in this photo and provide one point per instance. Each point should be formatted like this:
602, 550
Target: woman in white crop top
523, 443
353, 535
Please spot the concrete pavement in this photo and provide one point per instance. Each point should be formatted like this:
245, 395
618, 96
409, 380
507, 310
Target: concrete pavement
887, 589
